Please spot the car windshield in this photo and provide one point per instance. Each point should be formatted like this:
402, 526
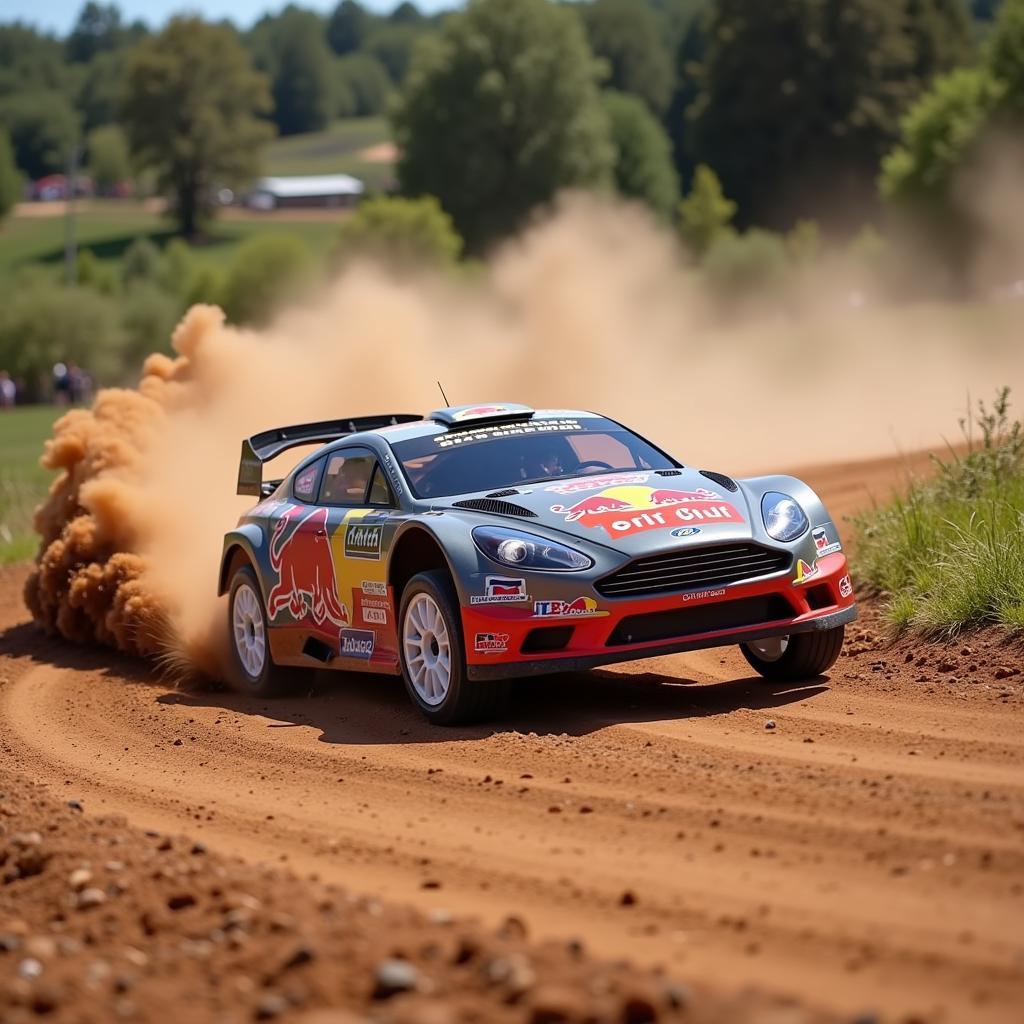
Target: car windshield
508, 455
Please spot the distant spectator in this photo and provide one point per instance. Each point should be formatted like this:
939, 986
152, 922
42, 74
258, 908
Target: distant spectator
61, 384
8, 391
80, 389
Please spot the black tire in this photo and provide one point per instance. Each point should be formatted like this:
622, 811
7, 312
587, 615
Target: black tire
465, 700
806, 655
272, 680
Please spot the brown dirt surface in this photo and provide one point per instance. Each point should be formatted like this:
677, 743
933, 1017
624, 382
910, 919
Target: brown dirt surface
854, 844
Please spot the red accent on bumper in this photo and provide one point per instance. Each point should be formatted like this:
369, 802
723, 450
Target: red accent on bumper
819, 596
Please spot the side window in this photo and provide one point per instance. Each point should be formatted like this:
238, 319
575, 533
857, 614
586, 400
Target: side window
346, 478
380, 491
304, 486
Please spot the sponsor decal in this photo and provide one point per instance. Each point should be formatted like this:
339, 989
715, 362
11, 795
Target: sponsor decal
501, 590
363, 541
557, 609
686, 531
702, 595
804, 572
822, 544
357, 643
375, 616
300, 555
845, 587
460, 437
393, 475
490, 643
376, 587
480, 410
597, 483
624, 510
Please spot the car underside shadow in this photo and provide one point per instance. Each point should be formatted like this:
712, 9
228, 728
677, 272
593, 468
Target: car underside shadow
364, 709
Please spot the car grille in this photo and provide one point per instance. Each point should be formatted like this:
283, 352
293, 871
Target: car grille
678, 623
695, 568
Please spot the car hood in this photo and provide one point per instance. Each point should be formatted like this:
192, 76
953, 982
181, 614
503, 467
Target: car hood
633, 513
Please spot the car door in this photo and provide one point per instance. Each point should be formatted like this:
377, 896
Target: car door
359, 501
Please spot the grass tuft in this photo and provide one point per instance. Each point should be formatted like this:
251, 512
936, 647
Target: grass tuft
949, 556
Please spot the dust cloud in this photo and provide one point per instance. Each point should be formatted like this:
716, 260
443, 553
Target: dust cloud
589, 308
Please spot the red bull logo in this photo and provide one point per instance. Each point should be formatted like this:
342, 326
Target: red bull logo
598, 483
300, 554
623, 510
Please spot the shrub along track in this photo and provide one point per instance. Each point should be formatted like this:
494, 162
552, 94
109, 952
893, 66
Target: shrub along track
856, 842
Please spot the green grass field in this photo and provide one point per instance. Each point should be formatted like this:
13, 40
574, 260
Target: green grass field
23, 482
334, 151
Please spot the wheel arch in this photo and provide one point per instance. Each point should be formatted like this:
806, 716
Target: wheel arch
240, 545
416, 550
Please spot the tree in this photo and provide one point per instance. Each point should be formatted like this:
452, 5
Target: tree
399, 232
500, 112
406, 13
627, 34
98, 28
101, 89
1006, 57
292, 50
31, 62
940, 37
192, 113
392, 45
643, 161
705, 214
10, 180
108, 159
362, 86
347, 27
799, 100
42, 128
939, 133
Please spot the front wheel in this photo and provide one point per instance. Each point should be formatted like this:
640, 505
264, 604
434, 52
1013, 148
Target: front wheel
433, 656
800, 656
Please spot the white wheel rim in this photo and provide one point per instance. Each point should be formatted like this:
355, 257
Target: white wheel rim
248, 630
425, 643
771, 648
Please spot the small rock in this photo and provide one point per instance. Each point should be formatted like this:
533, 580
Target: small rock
76, 805
301, 955
947, 666
628, 899
177, 743
769, 725
30, 969
198, 848
80, 878
394, 976
9, 943
181, 900
25, 840
271, 1006
91, 898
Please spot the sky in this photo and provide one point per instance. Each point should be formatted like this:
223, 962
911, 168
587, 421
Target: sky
60, 15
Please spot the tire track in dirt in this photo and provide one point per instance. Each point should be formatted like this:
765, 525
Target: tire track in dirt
866, 852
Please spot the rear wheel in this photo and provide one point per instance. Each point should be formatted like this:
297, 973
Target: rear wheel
433, 656
800, 656
253, 670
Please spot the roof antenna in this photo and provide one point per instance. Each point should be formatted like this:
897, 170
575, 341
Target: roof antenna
444, 396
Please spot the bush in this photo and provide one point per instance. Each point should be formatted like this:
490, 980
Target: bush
205, 284
267, 271
43, 323
738, 265
950, 555
108, 159
174, 270
90, 272
399, 232
148, 316
705, 214
141, 261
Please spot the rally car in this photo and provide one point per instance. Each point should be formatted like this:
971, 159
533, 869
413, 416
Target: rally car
483, 543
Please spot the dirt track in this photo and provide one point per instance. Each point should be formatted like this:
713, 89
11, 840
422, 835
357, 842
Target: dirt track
865, 853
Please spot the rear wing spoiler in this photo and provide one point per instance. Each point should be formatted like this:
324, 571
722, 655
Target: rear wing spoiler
263, 447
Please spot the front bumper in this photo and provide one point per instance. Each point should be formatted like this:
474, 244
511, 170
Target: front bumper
505, 641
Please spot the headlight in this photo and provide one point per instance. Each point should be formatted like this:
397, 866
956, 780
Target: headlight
527, 551
783, 518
